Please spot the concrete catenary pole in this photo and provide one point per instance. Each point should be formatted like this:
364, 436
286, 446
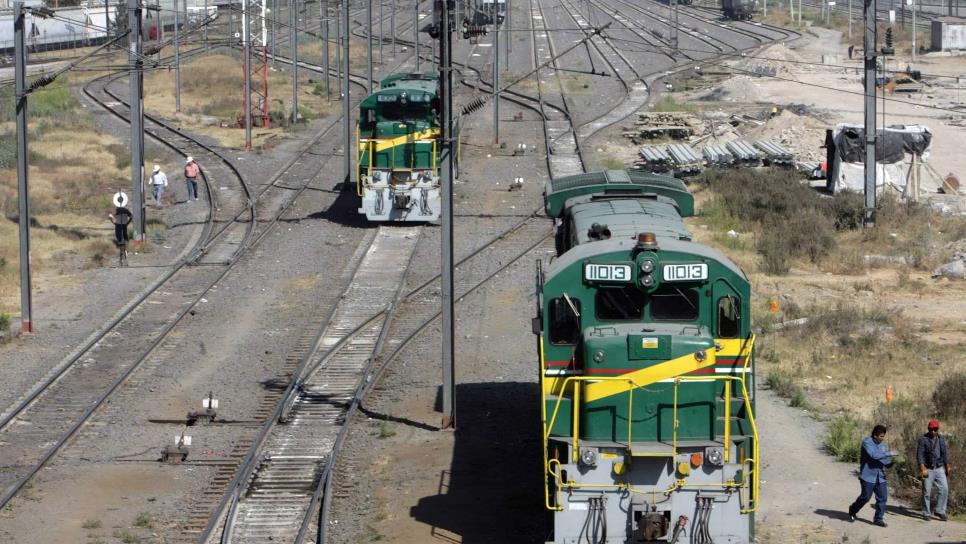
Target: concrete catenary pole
338, 46
274, 29
368, 30
447, 173
508, 37
247, 60
392, 26
850, 19
177, 54
23, 194
870, 129
496, 79
324, 7
416, 33
205, 29
382, 33
136, 99
346, 119
913, 32
293, 28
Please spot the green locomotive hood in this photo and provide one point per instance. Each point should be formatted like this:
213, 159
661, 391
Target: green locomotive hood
618, 348
392, 129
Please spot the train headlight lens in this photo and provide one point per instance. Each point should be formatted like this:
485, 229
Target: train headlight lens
647, 280
715, 456
589, 457
700, 355
599, 356
647, 266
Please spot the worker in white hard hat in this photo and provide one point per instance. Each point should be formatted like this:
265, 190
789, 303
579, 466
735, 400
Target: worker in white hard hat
158, 182
191, 171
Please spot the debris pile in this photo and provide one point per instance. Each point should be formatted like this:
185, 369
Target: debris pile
654, 125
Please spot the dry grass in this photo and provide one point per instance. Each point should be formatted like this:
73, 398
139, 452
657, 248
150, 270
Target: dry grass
74, 168
207, 85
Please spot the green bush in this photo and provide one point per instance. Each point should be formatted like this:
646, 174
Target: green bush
795, 221
949, 398
843, 438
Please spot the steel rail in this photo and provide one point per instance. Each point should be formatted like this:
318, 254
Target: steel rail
249, 242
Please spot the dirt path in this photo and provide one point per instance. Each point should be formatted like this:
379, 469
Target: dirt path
806, 493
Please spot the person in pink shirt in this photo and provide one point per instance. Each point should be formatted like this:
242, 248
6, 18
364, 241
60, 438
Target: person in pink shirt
191, 171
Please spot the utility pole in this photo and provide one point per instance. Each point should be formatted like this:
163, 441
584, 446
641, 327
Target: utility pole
508, 37
870, 130
247, 60
205, 20
368, 42
177, 54
324, 6
274, 29
136, 99
346, 119
446, 163
293, 24
338, 45
392, 27
382, 3
416, 33
913, 36
496, 79
23, 194
850, 19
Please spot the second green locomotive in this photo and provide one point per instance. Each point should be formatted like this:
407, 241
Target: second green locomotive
399, 150
646, 369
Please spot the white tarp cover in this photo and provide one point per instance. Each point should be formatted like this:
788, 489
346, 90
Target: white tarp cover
851, 177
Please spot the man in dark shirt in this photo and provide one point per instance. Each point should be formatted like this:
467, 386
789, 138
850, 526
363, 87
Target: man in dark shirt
933, 461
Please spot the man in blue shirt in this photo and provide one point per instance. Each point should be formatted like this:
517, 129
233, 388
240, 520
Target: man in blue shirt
874, 460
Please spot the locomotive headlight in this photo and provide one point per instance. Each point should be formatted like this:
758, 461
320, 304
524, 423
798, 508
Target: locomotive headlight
599, 356
589, 457
647, 280
647, 266
714, 456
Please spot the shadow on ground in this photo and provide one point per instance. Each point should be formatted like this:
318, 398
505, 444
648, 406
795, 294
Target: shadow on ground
492, 491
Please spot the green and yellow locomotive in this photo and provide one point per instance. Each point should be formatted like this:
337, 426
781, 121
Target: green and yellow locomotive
646, 369
399, 151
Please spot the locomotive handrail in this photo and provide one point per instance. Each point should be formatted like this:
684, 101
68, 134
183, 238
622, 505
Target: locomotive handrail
753, 484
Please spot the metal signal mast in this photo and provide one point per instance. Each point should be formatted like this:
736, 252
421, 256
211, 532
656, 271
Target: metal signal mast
255, 46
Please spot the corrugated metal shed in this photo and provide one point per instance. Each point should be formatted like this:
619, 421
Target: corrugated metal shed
948, 33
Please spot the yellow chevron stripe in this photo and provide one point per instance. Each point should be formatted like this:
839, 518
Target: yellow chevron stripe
387, 143
646, 376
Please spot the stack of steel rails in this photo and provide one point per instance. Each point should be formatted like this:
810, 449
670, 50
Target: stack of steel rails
686, 161
717, 155
775, 153
744, 153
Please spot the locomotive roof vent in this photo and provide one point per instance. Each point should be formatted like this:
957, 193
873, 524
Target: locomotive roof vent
598, 232
646, 241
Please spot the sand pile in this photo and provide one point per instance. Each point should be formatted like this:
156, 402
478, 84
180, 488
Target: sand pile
800, 133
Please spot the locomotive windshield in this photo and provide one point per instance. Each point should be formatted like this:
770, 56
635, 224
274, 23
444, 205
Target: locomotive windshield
624, 303
674, 304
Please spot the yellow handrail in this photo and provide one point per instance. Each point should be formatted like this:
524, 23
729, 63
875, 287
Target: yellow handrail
752, 461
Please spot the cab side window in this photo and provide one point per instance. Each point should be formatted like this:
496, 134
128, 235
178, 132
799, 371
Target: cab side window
564, 323
729, 317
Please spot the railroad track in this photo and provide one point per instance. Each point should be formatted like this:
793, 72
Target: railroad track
46, 418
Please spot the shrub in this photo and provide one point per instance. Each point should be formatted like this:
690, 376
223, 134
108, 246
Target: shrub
843, 438
795, 221
949, 398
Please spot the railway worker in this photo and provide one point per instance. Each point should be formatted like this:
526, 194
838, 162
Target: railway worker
875, 458
121, 218
933, 459
191, 171
158, 182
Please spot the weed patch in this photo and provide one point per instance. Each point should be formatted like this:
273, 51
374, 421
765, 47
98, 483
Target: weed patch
843, 438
